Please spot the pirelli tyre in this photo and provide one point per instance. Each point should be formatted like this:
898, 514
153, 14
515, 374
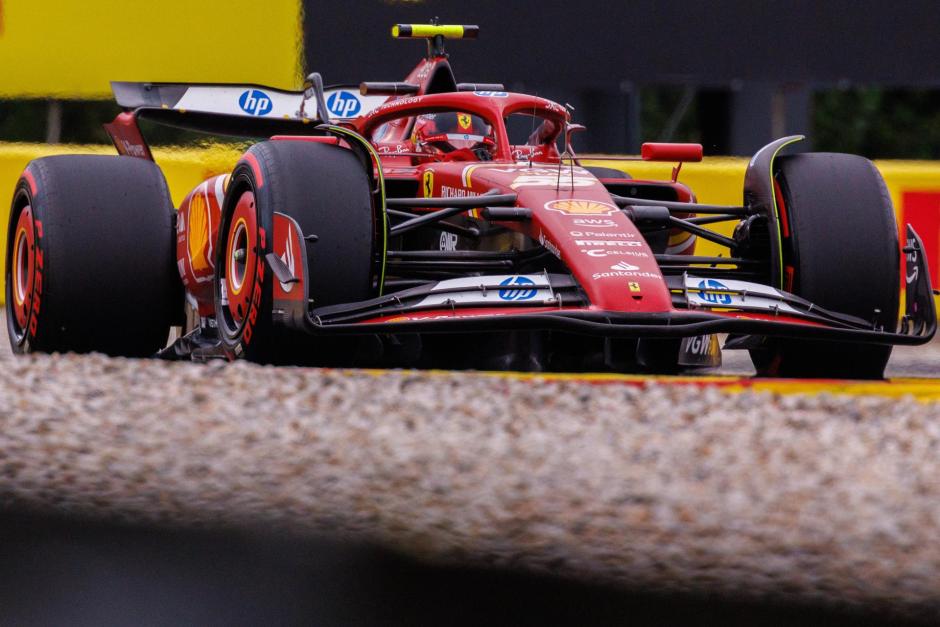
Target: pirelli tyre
840, 251
326, 190
90, 257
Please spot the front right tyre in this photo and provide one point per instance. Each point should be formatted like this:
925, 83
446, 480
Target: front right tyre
840, 251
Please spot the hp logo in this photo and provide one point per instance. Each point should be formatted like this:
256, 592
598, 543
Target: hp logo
255, 102
343, 104
522, 288
717, 299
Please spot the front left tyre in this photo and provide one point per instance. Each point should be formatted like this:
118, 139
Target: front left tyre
326, 190
90, 257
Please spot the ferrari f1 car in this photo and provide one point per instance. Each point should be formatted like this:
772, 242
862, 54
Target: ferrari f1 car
434, 223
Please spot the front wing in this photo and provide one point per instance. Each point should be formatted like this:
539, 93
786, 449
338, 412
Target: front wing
555, 302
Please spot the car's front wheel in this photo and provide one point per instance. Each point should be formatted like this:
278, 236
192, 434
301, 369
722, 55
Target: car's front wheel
840, 251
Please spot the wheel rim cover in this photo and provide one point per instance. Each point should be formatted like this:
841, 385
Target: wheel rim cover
23, 268
241, 258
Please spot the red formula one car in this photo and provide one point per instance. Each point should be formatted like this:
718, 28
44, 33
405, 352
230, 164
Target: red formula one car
434, 223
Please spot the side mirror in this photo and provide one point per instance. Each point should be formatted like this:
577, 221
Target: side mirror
571, 129
671, 152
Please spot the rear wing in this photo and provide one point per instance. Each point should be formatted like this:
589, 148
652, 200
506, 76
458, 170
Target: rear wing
245, 110
248, 110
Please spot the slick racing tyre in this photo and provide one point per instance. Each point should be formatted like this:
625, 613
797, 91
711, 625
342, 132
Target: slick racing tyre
90, 257
840, 251
328, 192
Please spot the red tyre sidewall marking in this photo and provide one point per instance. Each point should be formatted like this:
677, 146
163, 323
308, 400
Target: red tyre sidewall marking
788, 270
22, 265
244, 225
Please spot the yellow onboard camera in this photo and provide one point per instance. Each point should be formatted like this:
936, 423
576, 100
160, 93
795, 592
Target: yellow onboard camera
447, 31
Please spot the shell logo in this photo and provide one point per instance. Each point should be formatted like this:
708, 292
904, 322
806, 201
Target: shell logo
197, 236
581, 207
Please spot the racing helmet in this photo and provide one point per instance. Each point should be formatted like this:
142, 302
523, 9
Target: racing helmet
452, 130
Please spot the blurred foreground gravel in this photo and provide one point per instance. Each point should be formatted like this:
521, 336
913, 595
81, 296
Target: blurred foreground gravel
830, 500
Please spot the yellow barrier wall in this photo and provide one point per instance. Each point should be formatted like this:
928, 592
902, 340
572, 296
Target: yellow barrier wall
914, 185
72, 49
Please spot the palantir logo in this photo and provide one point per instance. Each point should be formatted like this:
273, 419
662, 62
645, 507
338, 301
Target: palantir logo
712, 297
343, 104
255, 102
523, 289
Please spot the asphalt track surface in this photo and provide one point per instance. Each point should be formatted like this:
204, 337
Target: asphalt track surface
141, 492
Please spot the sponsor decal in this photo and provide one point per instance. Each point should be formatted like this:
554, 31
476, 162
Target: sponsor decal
133, 149
464, 122
343, 104
700, 350
623, 265
601, 252
699, 345
448, 241
456, 192
517, 288
911, 257
554, 106
711, 297
38, 270
427, 184
401, 102
566, 181
609, 243
522, 154
385, 150
549, 245
425, 70
580, 207
491, 94
621, 273
596, 223
198, 238
255, 102
288, 259
599, 234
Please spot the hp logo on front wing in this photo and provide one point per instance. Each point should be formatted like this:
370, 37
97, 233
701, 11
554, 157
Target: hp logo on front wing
523, 288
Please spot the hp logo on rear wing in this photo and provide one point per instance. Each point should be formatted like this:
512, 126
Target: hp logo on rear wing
255, 102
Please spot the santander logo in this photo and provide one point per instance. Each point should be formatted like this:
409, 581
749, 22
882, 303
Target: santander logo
623, 265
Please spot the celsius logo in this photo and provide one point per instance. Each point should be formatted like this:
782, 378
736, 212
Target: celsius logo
527, 291
711, 297
255, 102
343, 104
623, 265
